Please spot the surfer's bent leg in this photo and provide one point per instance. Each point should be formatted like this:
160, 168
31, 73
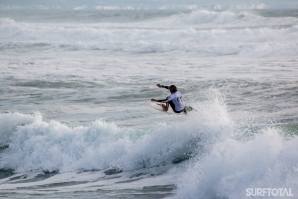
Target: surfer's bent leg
165, 107
173, 107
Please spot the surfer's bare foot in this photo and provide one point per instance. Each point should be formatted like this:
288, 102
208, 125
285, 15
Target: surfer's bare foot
164, 107
185, 111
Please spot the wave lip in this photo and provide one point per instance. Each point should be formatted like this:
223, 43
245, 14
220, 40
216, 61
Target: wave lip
10, 122
35, 145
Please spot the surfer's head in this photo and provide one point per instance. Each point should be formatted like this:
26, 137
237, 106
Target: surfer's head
173, 89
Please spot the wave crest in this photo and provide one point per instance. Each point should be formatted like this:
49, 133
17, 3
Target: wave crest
39, 145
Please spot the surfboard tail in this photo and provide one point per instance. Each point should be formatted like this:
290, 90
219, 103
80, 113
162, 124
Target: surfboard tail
188, 108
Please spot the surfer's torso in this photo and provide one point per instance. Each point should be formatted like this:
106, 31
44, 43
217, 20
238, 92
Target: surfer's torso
175, 100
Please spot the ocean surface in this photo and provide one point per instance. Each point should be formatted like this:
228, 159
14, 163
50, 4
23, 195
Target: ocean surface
76, 120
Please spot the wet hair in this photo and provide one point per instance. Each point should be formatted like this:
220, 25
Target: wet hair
173, 89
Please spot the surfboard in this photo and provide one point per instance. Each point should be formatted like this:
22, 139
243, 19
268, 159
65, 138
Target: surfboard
158, 106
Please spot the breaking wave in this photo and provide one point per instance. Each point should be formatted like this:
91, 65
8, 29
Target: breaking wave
33, 144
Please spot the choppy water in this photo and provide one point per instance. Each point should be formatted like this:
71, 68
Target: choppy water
76, 119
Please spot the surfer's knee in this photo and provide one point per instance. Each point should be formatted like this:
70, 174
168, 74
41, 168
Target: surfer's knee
164, 107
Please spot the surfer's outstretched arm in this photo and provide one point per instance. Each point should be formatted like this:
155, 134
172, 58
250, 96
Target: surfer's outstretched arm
164, 106
162, 86
162, 100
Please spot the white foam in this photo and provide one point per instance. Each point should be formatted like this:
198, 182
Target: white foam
6, 21
9, 123
115, 8
267, 161
136, 37
40, 145
205, 16
176, 5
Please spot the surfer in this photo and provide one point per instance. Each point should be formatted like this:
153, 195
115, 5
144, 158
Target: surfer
174, 100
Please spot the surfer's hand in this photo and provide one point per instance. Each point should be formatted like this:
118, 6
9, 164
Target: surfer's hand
159, 85
153, 100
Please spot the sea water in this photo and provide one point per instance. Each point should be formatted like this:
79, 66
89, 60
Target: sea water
76, 119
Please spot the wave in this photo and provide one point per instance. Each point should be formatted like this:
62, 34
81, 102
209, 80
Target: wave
223, 41
230, 18
221, 158
215, 17
267, 160
94, 34
7, 20
145, 5
33, 144
227, 18
200, 31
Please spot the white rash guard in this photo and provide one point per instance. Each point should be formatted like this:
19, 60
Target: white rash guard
174, 99
177, 100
